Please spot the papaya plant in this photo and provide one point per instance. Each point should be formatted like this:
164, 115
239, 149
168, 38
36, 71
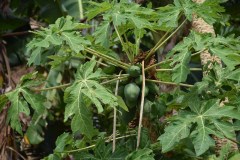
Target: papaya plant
111, 73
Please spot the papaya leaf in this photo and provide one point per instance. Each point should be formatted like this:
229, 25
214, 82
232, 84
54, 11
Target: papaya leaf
181, 69
234, 75
63, 32
230, 57
102, 34
18, 105
121, 103
35, 131
210, 11
202, 141
202, 116
168, 17
75, 41
146, 154
36, 101
174, 133
97, 9
62, 141
86, 88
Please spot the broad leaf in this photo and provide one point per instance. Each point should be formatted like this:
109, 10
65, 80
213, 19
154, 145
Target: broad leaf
181, 69
168, 17
202, 141
201, 116
97, 9
174, 133
62, 33
146, 154
75, 42
18, 105
102, 34
86, 88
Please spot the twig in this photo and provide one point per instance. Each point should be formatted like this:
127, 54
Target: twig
112, 80
170, 83
92, 146
68, 84
103, 64
234, 141
170, 69
12, 149
15, 34
107, 58
115, 116
122, 42
161, 39
54, 87
141, 106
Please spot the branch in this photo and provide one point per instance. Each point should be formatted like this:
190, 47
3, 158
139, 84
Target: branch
15, 34
164, 69
68, 84
92, 146
158, 43
122, 42
107, 58
141, 106
81, 16
115, 116
170, 83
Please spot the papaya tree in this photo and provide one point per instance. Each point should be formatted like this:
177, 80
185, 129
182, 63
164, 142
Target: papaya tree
111, 73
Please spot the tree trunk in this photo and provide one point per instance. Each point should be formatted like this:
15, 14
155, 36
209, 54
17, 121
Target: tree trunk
199, 25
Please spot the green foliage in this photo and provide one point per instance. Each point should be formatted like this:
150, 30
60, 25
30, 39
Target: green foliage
62, 33
225, 48
207, 119
168, 15
141, 154
86, 89
21, 98
115, 45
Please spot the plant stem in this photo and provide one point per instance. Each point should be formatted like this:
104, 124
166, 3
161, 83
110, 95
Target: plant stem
159, 63
170, 83
168, 60
51, 88
107, 58
15, 34
80, 9
127, 44
109, 76
68, 84
161, 39
115, 116
112, 80
141, 106
123, 45
234, 141
103, 64
92, 146
157, 47
191, 69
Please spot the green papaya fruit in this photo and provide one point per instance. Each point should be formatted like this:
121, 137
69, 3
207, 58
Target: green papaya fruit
131, 92
134, 71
